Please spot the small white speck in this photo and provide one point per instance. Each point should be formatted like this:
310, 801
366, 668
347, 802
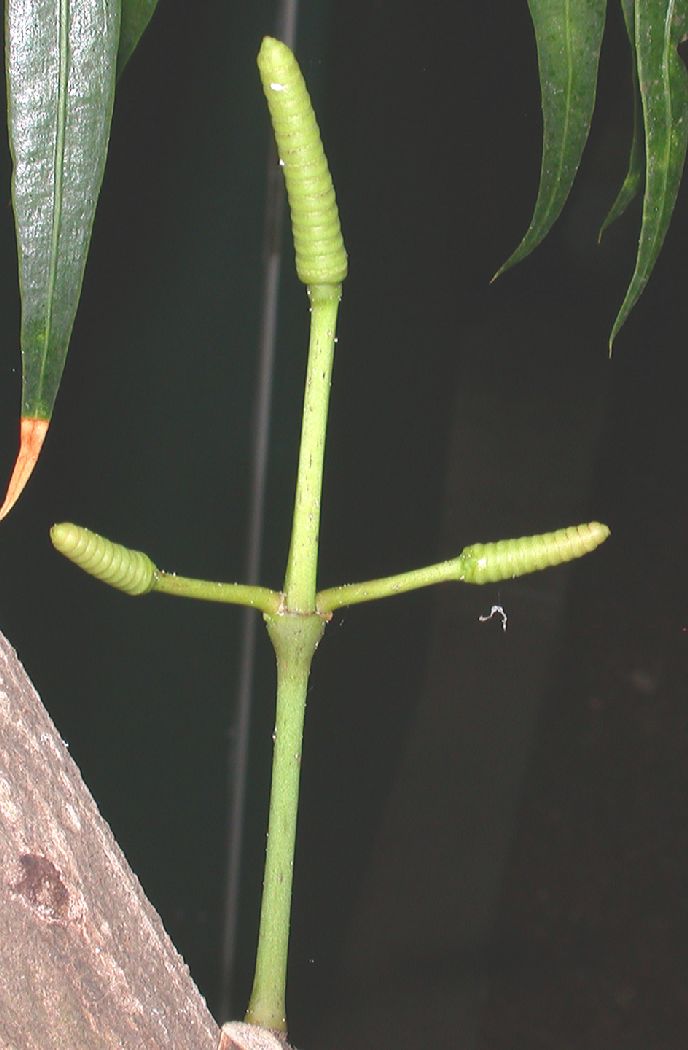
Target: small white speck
278, 87
496, 610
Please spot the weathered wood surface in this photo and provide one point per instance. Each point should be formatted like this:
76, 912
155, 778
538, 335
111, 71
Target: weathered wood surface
236, 1035
84, 960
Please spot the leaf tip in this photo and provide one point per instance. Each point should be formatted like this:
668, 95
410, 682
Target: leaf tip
516, 256
612, 337
31, 437
503, 268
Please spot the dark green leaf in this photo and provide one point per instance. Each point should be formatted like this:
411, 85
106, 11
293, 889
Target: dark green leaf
60, 63
568, 35
659, 27
136, 14
633, 180
61, 80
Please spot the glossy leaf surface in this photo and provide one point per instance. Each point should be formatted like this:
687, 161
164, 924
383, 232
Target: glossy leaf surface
568, 34
136, 14
660, 25
61, 60
61, 77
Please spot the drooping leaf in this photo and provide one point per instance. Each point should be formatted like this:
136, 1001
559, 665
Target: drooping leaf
568, 34
61, 59
136, 14
635, 171
660, 25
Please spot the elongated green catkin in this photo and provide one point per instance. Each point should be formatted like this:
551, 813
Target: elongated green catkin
490, 562
320, 252
130, 571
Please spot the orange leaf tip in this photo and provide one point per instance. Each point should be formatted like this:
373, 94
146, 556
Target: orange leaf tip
31, 437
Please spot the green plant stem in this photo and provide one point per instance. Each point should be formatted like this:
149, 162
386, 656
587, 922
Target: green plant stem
369, 590
295, 633
295, 639
208, 591
302, 564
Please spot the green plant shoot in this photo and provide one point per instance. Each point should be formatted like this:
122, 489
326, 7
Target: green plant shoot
297, 615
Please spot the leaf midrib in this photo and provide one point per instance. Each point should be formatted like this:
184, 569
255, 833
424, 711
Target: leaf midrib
567, 107
58, 171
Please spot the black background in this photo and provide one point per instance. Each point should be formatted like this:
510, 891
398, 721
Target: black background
492, 843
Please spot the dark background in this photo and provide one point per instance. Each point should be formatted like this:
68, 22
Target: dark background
493, 848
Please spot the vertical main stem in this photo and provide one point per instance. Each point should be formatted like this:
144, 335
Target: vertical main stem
295, 639
302, 565
295, 632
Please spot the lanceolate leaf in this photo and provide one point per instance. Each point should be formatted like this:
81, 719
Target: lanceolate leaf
633, 181
659, 27
136, 14
61, 60
568, 35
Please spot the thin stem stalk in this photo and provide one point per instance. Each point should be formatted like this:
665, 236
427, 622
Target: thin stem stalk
295, 639
302, 565
295, 632
208, 591
354, 593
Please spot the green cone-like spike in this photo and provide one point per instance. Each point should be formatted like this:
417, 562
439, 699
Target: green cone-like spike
320, 252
